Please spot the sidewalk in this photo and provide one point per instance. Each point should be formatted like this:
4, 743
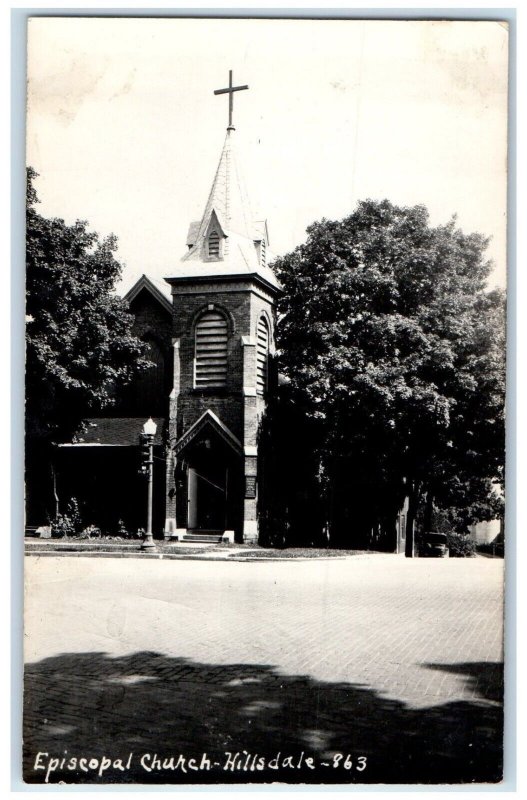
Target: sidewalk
168, 550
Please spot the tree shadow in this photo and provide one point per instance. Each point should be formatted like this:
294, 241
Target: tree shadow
92, 705
484, 678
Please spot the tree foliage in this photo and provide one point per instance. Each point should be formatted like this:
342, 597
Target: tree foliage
393, 345
80, 349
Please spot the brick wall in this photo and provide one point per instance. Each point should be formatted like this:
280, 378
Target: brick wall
150, 318
237, 404
148, 393
239, 413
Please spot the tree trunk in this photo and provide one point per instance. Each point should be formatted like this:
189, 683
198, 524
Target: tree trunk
331, 513
413, 499
55, 495
429, 510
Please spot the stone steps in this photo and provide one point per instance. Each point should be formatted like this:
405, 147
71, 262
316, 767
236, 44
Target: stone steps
206, 537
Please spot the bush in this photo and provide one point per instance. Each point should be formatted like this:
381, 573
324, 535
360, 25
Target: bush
495, 548
124, 533
460, 545
90, 532
62, 526
67, 524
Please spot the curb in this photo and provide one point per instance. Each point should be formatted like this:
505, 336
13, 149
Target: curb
174, 557
178, 557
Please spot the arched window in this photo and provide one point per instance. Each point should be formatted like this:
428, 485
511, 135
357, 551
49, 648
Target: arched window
262, 253
211, 350
214, 244
262, 355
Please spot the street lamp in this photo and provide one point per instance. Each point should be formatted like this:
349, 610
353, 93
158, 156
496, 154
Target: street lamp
149, 431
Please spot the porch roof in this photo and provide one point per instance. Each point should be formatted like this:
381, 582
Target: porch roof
113, 432
208, 418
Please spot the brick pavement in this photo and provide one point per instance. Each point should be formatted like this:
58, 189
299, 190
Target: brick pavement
396, 661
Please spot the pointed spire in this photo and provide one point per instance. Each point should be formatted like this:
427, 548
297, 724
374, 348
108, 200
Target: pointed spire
227, 209
228, 195
227, 240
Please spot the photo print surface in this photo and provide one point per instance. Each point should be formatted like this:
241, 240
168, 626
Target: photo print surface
265, 388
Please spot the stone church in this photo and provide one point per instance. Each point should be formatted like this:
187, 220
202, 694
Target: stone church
211, 344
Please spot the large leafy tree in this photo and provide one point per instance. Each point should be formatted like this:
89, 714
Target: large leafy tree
395, 349
80, 348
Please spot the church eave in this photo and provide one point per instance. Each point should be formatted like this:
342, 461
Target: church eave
250, 277
145, 283
208, 418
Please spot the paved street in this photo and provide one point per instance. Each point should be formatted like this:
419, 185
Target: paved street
392, 664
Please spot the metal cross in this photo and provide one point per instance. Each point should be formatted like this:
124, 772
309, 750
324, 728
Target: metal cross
230, 91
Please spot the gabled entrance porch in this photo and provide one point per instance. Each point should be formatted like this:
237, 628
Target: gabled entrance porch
208, 473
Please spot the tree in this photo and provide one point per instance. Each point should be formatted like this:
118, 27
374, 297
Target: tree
80, 349
394, 346
464, 503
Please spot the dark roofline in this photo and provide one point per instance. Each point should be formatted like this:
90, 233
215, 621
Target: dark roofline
144, 282
241, 276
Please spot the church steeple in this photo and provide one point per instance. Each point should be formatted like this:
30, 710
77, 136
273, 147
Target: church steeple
228, 209
227, 239
224, 297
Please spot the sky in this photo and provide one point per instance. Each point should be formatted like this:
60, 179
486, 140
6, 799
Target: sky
125, 131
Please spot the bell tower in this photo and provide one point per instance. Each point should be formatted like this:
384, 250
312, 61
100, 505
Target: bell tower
224, 296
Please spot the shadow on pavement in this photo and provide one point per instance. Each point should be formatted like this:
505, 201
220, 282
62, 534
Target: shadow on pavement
485, 678
94, 706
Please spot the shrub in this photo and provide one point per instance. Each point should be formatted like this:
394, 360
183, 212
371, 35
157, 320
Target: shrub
62, 526
90, 532
124, 533
67, 524
495, 548
460, 545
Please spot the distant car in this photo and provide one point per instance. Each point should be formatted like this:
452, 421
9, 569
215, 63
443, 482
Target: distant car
434, 545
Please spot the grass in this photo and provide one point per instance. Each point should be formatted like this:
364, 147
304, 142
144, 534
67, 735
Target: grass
299, 552
243, 550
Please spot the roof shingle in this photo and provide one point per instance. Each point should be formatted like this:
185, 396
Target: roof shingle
113, 432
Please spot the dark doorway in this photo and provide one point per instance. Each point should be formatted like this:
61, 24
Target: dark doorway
207, 495
213, 482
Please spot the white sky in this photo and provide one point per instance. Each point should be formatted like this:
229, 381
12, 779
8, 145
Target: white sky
125, 131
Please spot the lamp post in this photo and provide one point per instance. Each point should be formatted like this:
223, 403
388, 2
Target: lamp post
149, 431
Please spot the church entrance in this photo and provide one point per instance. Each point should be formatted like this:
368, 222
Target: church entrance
207, 496
210, 484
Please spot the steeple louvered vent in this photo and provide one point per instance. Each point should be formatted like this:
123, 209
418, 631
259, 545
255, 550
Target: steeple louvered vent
214, 244
211, 350
262, 355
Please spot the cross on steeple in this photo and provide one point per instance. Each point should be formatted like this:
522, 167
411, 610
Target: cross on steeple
230, 91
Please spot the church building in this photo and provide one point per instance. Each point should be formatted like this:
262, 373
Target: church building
210, 331
210, 334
